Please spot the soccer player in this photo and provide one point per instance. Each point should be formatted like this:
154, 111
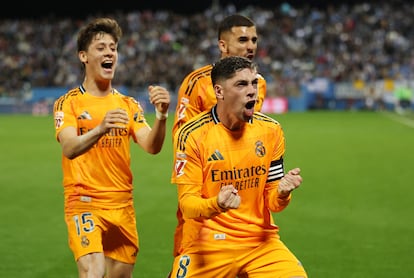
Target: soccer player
237, 36
230, 178
94, 125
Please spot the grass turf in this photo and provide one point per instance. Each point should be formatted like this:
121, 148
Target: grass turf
351, 217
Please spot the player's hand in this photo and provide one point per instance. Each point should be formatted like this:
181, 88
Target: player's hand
289, 182
117, 118
159, 97
228, 198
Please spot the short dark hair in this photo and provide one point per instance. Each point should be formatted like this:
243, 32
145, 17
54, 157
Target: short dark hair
98, 26
227, 67
234, 20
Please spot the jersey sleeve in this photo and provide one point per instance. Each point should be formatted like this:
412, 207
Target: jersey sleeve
261, 93
195, 95
64, 115
188, 176
138, 117
193, 206
276, 172
188, 105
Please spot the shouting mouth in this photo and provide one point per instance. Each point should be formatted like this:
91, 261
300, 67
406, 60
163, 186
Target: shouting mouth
248, 113
250, 104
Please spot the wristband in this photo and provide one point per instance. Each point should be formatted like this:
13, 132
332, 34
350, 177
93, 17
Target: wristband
161, 116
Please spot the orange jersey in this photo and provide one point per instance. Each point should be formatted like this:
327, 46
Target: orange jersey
101, 177
208, 156
196, 94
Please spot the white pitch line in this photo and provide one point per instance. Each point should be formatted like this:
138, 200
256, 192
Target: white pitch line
400, 119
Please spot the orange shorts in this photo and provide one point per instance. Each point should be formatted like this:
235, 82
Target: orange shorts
270, 259
111, 231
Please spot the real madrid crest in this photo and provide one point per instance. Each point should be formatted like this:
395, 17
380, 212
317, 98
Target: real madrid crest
260, 149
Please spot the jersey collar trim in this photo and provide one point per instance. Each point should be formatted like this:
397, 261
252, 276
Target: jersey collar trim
82, 89
214, 114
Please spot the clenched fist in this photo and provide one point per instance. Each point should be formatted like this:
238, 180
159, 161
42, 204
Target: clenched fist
228, 198
289, 182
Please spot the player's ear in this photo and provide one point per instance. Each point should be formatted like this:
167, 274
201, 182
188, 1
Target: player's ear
222, 45
83, 57
218, 89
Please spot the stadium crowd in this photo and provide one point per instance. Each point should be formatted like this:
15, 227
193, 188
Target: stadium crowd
342, 42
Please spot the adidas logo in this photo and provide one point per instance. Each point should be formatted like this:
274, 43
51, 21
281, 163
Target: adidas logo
216, 156
85, 116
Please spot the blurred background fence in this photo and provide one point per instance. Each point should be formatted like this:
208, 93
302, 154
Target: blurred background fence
316, 94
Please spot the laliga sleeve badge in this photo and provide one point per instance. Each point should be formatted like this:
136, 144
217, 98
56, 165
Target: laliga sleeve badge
179, 167
59, 119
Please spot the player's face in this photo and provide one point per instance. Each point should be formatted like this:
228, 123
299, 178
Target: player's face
101, 57
240, 94
241, 41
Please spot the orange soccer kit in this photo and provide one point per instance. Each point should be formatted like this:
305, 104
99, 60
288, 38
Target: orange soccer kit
98, 184
196, 94
243, 240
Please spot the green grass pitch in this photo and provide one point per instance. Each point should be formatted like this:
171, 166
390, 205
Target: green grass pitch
352, 217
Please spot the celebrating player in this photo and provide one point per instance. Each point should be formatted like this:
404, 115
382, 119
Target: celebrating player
94, 123
230, 178
237, 36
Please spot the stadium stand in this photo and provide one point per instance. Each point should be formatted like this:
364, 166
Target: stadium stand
316, 57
